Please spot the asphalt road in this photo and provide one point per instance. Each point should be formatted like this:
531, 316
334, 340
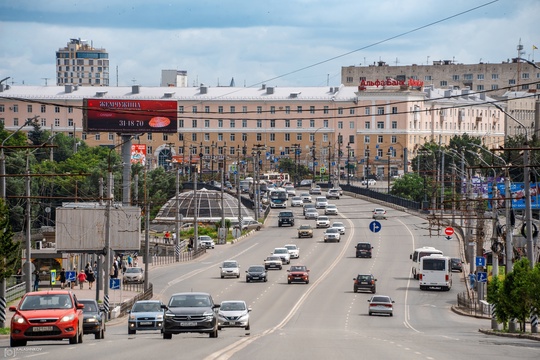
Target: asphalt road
324, 319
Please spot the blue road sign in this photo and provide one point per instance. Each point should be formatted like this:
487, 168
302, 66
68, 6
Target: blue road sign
298, 151
375, 226
480, 261
114, 284
376, 158
71, 276
315, 163
333, 163
481, 277
377, 146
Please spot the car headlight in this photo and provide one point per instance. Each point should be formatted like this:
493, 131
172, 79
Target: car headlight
92, 319
19, 319
67, 318
209, 315
169, 315
159, 317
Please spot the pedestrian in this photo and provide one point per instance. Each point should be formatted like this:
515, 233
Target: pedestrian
73, 283
36, 280
135, 261
167, 237
81, 278
130, 260
90, 277
62, 278
174, 238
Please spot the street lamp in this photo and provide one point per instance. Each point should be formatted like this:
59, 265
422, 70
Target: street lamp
389, 153
348, 164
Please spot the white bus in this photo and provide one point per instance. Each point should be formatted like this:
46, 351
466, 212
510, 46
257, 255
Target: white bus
435, 271
419, 254
278, 198
275, 177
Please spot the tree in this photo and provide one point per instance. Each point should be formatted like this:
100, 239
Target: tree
410, 186
9, 250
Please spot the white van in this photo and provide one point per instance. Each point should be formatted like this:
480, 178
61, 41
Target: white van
419, 254
435, 271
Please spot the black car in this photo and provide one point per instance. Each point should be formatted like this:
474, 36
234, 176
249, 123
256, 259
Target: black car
256, 273
94, 318
192, 312
363, 249
457, 264
285, 218
365, 282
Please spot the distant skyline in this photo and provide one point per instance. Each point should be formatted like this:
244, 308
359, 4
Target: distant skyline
280, 43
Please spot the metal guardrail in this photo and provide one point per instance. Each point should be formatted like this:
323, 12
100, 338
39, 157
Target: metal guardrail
128, 304
15, 292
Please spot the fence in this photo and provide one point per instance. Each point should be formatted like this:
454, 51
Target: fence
473, 306
128, 304
15, 292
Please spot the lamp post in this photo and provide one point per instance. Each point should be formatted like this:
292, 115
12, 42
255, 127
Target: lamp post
389, 153
348, 164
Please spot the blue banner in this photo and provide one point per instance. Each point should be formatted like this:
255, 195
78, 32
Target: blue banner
517, 191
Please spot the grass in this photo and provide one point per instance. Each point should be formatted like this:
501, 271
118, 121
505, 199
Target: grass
4, 331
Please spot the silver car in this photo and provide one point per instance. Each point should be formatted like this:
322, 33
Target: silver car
133, 275
321, 202
145, 315
332, 234
230, 268
233, 313
297, 201
331, 209
312, 214
381, 304
340, 226
379, 213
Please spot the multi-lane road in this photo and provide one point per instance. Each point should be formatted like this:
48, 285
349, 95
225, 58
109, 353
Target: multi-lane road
324, 319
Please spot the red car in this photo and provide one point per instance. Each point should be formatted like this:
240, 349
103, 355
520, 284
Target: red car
298, 273
47, 315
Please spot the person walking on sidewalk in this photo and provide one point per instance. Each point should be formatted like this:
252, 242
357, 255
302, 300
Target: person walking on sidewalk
82, 279
62, 278
90, 277
36, 280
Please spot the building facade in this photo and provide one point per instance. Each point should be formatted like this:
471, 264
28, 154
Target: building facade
375, 129
81, 64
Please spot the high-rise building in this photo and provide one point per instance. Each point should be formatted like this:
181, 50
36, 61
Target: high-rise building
81, 64
174, 78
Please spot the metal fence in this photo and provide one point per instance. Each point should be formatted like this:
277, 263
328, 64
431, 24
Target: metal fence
128, 304
470, 304
15, 292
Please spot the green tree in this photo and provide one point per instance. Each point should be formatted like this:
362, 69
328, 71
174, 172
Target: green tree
410, 186
494, 290
9, 250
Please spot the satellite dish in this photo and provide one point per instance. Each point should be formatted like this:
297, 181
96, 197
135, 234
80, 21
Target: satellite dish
47, 209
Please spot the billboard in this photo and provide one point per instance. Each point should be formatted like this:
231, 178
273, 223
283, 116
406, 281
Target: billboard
138, 154
517, 191
129, 116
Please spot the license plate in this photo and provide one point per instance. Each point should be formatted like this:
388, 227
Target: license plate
297, 278
188, 323
255, 278
146, 323
42, 328
363, 282
230, 323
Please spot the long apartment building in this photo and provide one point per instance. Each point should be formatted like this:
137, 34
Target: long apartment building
377, 128
79, 63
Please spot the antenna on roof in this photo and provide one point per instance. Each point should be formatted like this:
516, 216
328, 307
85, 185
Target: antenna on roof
45, 80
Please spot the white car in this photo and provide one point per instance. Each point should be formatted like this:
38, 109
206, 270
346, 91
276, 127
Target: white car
133, 275
283, 253
294, 251
311, 214
206, 241
290, 190
330, 209
296, 201
321, 202
322, 222
332, 234
379, 213
306, 197
230, 268
273, 262
340, 226
369, 182
233, 313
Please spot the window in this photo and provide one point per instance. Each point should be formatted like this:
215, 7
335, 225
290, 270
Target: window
380, 110
232, 123
351, 124
351, 139
165, 137
15, 121
272, 137
380, 124
351, 111
340, 111
479, 87
467, 76
455, 77
512, 82
326, 109
29, 108
148, 136
2, 108
367, 125
180, 123
272, 109
244, 137
244, 123
312, 109
70, 122
57, 122
367, 111
206, 137
194, 137
287, 109
181, 109
207, 123
194, 123
287, 137
394, 124
98, 138
494, 87
272, 123
259, 109
524, 75
479, 76
311, 123
233, 136
15, 108
259, 123
366, 139
259, 137
494, 76
380, 139
232, 109
299, 136
340, 124
287, 123
244, 109
325, 123
299, 109
220, 109
427, 78
220, 123
394, 109
443, 83
393, 139
220, 136
194, 109
298, 123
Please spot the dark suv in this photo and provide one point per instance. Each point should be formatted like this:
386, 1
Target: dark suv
363, 249
285, 218
191, 312
365, 282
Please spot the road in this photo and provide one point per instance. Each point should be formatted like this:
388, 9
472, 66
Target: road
324, 319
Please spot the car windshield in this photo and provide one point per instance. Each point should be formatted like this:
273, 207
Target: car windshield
190, 301
305, 227
273, 258
205, 237
232, 306
331, 230
134, 270
364, 277
146, 307
280, 251
285, 214
298, 268
337, 224
380, 299
291, 247
323, 218
230, 264
36, 302
331, 206
256, 269
89, 306
297, 198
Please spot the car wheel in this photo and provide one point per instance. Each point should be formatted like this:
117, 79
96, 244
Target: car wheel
73, 340
355, 290
281, 267
102, 334
370, 313
247, 280
167, 336
16, 343
288, 281
247, 327
238, 276
132, 332
222, 276
258, 228
373, 291
307, 282
265, 279
219, 327
213, 334
391, 314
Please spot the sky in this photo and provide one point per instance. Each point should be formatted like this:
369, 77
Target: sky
277, 43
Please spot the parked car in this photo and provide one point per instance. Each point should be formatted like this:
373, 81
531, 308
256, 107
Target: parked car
379, 213
332, 194
363, 249
315, 190
229, 268
381, 304
283, 253
332, 234
273, 262
93, 318
206, 241
233, 313
133, 275
322, 222
294, 251
305, 231
457, 264
251, 225
340, 226
298, 273
331, 209
190, 312
145, 315
370, 182
47, 315
256, 273
296, 201
365, 282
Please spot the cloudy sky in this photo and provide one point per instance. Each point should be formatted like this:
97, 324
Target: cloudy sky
278, 42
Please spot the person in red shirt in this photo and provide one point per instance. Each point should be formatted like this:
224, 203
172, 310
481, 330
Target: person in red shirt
82, 278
